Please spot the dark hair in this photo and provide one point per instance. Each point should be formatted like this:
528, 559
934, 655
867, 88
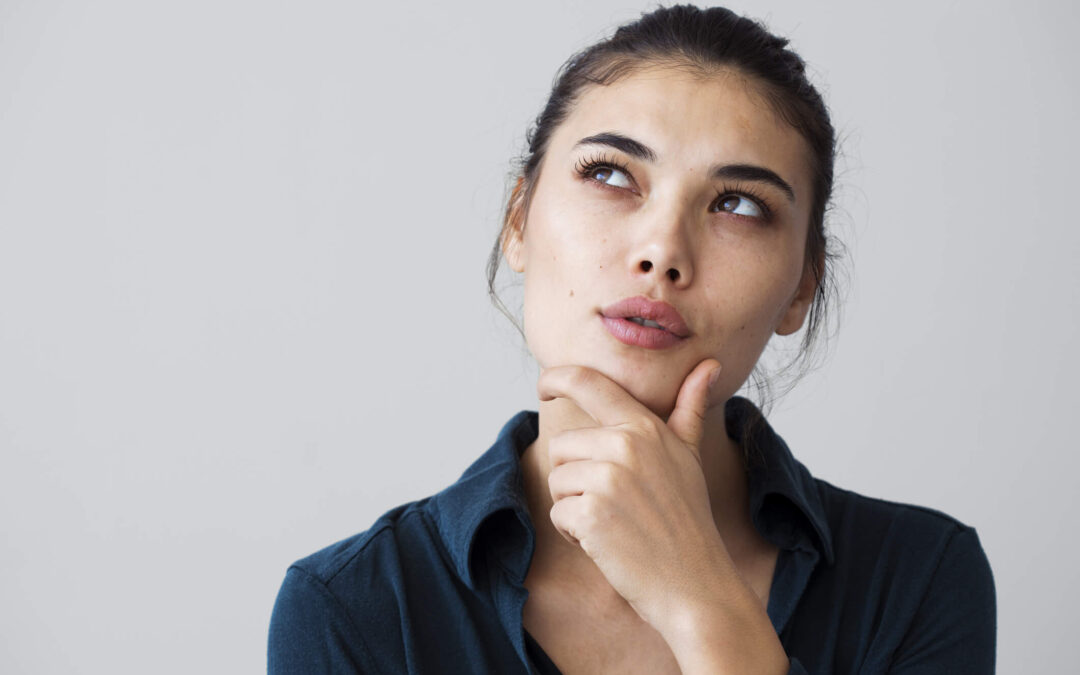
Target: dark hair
704, 41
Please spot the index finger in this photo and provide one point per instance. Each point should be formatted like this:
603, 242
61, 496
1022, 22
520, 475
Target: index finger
597, 394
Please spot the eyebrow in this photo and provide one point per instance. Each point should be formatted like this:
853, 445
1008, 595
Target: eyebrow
753, 173
639, 150
619, 142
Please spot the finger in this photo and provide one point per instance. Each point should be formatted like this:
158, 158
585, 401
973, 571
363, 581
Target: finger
609, 444
688, 418
577, 478
574, 516
597, 394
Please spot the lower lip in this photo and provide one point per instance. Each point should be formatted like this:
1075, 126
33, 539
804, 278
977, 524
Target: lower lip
636, 335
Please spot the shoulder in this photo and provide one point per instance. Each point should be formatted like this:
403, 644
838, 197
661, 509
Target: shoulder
917, 568
872, 531
374, 549
401, 550
343, 603
850, 513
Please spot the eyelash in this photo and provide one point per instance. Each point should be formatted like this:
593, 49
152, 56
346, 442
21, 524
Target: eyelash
585, 167
746, 192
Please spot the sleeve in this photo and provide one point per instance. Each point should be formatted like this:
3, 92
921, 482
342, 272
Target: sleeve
955, 628
795, 668
310, 632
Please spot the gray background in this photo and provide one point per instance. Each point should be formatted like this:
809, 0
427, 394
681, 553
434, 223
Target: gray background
242, 306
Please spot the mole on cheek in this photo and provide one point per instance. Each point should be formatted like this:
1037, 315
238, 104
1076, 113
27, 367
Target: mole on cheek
571, 292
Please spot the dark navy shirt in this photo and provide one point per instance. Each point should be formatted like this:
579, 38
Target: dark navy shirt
861, 585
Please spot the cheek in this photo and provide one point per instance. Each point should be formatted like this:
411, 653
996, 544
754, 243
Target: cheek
561, 271
569, 242
751, 287
547, 291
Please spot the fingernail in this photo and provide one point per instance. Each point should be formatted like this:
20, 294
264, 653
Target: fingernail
714, 376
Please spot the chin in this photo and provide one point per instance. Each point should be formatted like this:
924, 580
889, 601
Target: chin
655, 384
660, 399
653, 378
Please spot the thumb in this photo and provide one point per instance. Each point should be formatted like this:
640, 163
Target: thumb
688, 418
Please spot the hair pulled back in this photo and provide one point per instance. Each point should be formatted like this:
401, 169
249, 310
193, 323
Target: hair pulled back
705, 41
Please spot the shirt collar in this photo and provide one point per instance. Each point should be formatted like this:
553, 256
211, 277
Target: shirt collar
484, 518
489, 500
785, 505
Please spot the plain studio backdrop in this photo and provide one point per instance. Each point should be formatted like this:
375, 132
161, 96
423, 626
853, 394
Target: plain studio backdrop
243, 309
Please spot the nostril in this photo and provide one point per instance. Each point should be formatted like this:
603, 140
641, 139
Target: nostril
673, 274
646, 265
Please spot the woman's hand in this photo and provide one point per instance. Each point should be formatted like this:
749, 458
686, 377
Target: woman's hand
632, 494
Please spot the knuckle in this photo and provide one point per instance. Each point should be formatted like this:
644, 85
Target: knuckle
625, 448
557, 514
651, 426
624, 440
591, 512
610, 475
555, 449
553, 478
647, 426
579, 375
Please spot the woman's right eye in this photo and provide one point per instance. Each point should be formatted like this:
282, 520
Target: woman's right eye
609, 176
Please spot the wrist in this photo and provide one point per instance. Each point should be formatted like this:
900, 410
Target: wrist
725, 632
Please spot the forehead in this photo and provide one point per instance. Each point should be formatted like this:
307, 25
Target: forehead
693, 121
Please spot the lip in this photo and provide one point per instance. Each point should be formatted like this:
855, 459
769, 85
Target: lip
616, 320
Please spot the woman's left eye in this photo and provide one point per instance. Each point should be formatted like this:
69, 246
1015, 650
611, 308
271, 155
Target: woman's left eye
740, 206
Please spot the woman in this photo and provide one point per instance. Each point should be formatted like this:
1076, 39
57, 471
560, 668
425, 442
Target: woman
667, 221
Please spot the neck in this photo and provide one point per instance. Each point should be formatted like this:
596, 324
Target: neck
722, 464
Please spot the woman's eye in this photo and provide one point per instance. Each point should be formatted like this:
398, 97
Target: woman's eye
610, 176
740, 206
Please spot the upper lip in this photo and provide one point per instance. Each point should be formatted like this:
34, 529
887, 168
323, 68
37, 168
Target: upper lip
653, 310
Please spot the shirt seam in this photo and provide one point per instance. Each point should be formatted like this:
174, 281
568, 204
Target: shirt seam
948, 519
371, 535
436, 535
926, 591
323, 588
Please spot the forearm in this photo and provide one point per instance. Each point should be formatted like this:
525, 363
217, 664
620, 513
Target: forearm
725, 630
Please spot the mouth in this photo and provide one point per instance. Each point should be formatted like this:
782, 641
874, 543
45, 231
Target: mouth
645, 322
641, 322
648, 313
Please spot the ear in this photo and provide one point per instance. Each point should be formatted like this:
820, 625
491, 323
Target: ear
513, 231
793, 318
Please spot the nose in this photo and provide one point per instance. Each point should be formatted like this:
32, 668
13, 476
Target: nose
664, 255
672, 273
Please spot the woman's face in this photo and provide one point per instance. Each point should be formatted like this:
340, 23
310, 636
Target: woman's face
679, 189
